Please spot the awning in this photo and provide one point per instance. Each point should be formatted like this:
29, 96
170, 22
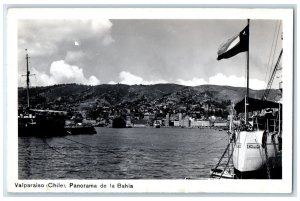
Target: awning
255, 105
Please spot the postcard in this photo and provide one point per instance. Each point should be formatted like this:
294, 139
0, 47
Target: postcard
149, 100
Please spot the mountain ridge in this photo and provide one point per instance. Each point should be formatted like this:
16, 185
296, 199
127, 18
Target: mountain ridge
118, 94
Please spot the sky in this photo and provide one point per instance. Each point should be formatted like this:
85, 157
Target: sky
137, 51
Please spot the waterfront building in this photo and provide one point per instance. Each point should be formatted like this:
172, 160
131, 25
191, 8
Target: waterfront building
180, 119
220, 124
146, 116
186, 121
139, 123
200, 123
167, 121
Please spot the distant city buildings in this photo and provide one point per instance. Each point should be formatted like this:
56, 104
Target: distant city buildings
181, 109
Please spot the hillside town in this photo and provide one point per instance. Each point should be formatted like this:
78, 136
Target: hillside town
156, 114
161, 105
185, 108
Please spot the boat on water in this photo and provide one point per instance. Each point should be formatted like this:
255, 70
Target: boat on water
39, 123
47, 123
221, 173
256, 143
156, 124
80, 129
78, 125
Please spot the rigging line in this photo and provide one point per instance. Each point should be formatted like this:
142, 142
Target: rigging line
214, 142
260, 152
274, 49
54, 149
226, 164
268, 66
96, 148
45, 141
228, 146
245, 73
222, 156
237, 139
79, 142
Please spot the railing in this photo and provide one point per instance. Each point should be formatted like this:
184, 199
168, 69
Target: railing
271, 125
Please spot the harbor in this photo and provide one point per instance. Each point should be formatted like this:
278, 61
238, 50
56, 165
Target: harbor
141, 153
152, 131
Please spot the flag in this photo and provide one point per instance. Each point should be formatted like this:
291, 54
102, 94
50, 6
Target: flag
235, 45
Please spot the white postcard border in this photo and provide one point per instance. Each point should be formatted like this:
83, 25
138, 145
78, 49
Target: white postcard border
144, 186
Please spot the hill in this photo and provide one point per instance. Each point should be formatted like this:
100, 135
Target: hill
133, 97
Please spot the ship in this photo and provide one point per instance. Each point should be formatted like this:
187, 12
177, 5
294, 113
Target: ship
156, 124
42, 123
47, 123
37, 122
78, 125
258, 143
255, 144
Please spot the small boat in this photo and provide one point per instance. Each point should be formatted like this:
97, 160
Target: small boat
219, 173
78, 125
80, 129
156, 124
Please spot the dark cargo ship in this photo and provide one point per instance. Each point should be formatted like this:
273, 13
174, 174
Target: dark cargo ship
41, 123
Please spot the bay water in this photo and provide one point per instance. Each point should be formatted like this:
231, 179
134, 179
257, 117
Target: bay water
129, 153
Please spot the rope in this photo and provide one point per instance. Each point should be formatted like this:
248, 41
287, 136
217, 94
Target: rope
54, 149
227, 163
272, 46
267, 163
230, 155
214, 142
79, 142
222, 156
45, 141
275, 49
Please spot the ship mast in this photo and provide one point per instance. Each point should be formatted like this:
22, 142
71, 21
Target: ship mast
247, 93
27, 78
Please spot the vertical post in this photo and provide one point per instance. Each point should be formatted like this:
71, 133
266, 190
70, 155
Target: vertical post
246, 109
279, 126
27, 77
246, 106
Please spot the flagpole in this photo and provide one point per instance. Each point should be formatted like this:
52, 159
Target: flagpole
247, 94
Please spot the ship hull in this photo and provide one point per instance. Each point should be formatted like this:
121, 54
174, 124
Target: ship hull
276, 173
77, 130
257, 155
38, 131
41, 126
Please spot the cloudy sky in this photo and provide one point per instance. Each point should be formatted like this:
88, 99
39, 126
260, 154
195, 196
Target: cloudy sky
143, 52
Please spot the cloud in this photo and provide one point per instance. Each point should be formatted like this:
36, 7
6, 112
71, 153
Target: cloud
48, 36
112, 82
77, 42
72, 56
221, 79
194, 82
62, 73
131, 79
232, 80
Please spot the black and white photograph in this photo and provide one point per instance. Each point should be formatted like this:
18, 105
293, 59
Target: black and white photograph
151, 99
